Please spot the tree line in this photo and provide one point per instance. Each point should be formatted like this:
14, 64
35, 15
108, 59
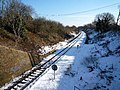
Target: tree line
13, 16
105, 22
16, 19
102, 23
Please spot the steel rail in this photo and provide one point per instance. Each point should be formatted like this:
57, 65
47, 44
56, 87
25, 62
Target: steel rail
42, 67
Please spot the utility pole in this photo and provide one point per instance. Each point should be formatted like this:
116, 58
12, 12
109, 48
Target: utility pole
118, 16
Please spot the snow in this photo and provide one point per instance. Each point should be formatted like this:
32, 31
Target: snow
45, 49
63, 64
86, 67
93, 66
114, 44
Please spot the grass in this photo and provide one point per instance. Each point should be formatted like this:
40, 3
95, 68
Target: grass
15, 62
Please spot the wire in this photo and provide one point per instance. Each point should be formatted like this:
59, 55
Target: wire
91, 9
83, 11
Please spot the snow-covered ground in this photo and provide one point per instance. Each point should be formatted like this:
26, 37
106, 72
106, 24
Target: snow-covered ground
43, 50
93, 66
47, 82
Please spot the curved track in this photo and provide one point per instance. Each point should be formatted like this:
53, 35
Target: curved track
28, 78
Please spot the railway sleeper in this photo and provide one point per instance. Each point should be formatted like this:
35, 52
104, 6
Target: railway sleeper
12, 89
20, 85
24, 81
34, 75
42, 68
31, 77
15, 87
28, 79
38, 71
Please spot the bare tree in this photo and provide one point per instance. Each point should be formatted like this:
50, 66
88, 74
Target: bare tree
104, 21
16, 15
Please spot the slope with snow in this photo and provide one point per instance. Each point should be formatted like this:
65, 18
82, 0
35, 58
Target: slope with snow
47, 82
93, 66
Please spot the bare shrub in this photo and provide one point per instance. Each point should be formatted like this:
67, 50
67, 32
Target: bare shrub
90, 61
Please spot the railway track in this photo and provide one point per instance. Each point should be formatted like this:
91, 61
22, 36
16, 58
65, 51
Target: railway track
28, 78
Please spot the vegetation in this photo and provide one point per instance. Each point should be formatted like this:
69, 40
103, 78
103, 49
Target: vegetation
19, 30
104, 22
